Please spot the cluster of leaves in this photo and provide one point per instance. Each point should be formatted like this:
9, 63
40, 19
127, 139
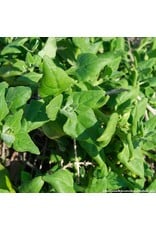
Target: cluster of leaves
80, 112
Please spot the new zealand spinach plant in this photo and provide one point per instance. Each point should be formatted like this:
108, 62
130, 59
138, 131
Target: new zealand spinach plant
77, 114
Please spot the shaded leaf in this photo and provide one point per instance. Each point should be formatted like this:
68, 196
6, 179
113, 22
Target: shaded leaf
29, 79
35, 114
14, 46
53, 129
115, 182
7, 71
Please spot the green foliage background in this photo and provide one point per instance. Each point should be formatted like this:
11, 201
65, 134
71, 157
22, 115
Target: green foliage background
77, 114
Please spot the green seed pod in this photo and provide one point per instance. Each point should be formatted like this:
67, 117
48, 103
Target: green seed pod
109, 131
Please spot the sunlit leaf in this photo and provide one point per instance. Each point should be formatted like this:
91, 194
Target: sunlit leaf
17, 97
61, 181
54, 80
32, 186
49, 48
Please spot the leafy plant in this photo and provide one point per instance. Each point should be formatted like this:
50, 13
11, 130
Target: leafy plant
77, 115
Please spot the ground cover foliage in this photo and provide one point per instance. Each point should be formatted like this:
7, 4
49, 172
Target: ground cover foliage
77, 114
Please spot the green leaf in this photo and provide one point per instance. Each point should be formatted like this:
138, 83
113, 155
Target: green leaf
49, 48
4, 190
114, 182
61, 181
97, 185
20, 65
150, 125
85, 45
23, 143
88, 67
71, 127
3, 105
25, 177
7, 136
35, 114
79, 112
138, 112
14, 46
7, 71
152, 82
29, 79
29, 59
66, 50
135, 163
17, 97
53, 130
137, 184
109, 183
33, 186
5, 183
3, 85
94, 152
33, 61
77, 124
91, 98
125, 96
111, 59
14, 121
141, 108
32, 76
118, 44
152, 187
149, 142
109, 131
11, 127
10, 71
54, 106
148, 64
55, 80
